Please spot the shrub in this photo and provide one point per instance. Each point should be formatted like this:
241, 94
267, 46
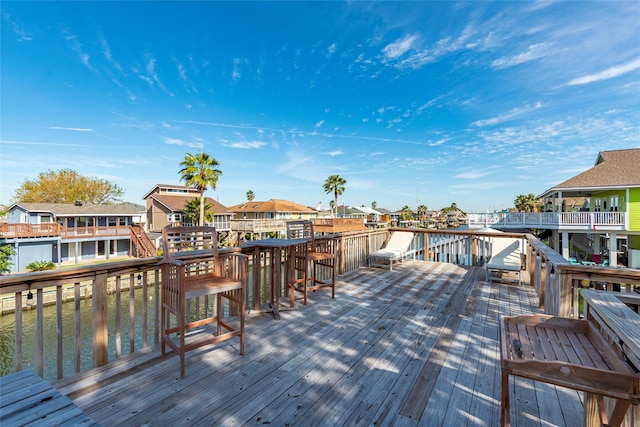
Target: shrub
41, 266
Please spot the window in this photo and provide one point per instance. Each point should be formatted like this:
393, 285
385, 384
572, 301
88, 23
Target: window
24, 218
174, 217
123, 220
45, 219
596, 205
614, 203
111, 221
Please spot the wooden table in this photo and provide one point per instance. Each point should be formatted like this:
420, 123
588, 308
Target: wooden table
25, 398
277, 248
565, 352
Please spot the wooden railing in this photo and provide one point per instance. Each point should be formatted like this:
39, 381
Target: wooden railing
143, 244
258, 225
575, 220
12, 231
135, 286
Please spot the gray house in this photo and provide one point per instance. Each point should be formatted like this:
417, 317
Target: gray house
70, 232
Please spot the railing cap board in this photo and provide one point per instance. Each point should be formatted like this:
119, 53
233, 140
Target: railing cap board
623, 321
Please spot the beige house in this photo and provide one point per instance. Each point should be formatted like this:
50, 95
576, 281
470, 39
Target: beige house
165, 205
276, 209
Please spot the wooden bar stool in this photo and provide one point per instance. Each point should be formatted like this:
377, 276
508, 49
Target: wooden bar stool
310, 259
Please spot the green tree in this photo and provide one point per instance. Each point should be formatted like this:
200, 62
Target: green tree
6, 253
422, 212
335, 184
200, 171
406, 214
192, 211
67, 186
526, 203
374, 204
250, 196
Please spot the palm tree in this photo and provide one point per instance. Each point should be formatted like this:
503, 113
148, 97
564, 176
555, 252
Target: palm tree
335, 184
406, 214
526, 203
199, 171
374, 204
192, 210
422, 212
250, 196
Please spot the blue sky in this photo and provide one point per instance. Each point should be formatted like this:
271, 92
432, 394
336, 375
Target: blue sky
411, 102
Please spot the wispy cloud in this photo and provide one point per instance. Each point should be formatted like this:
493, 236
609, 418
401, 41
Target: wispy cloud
609, 73
515, 112
76, 46
173, 141
23, 36
399, 47
71, 129
319, 124
534, 51
247, 145
334, 153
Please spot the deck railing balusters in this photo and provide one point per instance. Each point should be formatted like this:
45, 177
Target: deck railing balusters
556, 281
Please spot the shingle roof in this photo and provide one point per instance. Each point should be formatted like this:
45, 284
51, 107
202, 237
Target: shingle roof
271, 205
176, 203
64, 209
617, 168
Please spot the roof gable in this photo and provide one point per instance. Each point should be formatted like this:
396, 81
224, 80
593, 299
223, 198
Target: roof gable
618, 168
176, 203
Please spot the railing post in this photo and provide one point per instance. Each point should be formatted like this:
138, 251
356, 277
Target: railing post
99, 323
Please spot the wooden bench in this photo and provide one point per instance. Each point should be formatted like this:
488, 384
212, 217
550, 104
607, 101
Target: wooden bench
27, 399
570, 353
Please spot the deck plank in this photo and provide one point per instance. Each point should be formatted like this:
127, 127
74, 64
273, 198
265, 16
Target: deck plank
414, 346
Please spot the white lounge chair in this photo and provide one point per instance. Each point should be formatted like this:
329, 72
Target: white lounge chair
397, 248
505, 258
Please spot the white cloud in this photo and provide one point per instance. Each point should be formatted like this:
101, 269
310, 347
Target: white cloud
173, 141
609, 73
71, 129
398, 48
320, 123
331, 50
535, 51
508, 115
334, 153
245, 144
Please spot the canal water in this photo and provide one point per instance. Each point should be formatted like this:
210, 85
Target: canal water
29, 336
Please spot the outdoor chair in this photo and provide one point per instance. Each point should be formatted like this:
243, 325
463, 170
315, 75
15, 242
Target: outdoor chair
199, 289
397, 248
506, 257
318, 255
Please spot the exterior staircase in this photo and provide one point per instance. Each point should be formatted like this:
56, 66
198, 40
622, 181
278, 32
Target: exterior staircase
143, 244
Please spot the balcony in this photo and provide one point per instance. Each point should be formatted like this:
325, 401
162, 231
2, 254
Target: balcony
569, 221
416, 345
30, 231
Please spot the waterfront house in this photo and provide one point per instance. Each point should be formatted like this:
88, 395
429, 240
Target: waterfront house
166, 206
606, 227
612, 186
59, 232
259, 218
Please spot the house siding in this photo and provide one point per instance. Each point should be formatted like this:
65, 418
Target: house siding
634, 212
606, 195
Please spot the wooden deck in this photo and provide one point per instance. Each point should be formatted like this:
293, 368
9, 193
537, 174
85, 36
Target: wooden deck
414, 346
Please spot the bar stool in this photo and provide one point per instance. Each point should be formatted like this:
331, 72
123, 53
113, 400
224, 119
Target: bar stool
310, 259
